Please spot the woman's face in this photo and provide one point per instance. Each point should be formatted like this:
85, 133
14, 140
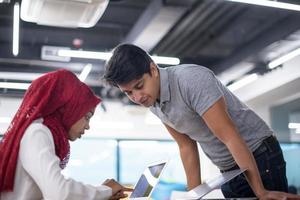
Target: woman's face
78, 128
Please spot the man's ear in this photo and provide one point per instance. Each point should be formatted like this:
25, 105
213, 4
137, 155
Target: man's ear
153, 69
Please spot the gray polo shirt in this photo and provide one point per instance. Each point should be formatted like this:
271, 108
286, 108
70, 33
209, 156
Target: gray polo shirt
186, 92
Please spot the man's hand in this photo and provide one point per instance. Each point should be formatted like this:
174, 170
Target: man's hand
117, 189
272, 195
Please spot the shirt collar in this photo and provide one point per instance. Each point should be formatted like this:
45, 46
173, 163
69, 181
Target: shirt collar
164, 86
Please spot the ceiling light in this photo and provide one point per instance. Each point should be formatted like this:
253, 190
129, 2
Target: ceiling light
107, 55
273, 4
85, 72
242, 82
235, 72
84, 54
284, 58
165, 60
18, 86
16, 29
19, 76
4, 1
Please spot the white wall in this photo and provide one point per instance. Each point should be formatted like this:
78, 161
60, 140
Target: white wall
8, 108
276, 87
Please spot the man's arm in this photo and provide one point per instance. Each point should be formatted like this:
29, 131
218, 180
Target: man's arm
220, 123
189, 156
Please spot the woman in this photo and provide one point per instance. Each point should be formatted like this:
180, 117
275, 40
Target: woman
56, 108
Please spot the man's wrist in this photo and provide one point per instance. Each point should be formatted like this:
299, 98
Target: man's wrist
260, 193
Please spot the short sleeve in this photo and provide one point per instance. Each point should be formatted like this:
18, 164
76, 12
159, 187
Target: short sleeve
201, 89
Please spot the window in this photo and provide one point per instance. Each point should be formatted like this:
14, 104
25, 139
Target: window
92, 161
136, 155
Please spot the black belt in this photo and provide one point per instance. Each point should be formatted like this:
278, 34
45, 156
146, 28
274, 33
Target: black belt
265, 145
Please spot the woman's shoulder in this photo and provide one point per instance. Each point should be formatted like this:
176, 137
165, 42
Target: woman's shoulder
37, 130
37, 138
37, 124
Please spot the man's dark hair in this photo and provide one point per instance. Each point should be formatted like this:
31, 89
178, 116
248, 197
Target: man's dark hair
128, 62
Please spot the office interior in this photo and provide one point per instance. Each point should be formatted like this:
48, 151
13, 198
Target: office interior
254, 49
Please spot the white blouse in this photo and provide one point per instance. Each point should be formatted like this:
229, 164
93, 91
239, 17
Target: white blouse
38, 175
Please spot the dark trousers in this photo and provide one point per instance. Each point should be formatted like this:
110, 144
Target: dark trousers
271, 165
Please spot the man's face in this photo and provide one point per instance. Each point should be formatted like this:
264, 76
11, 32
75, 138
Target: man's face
143, 91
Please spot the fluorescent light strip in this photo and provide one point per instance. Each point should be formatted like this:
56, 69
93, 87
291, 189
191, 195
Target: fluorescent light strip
273, 4
85, 72
294, 125
106, 56
165, 60
298, 130
84, 54
242, 82
18, 86
16, 29
284, 58
19, 76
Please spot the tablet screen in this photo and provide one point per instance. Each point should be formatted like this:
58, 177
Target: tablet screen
148, 180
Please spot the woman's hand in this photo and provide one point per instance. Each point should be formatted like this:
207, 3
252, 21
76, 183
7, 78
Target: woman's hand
117, 189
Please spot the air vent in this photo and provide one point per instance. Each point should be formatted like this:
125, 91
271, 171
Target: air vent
63, 13
51, 53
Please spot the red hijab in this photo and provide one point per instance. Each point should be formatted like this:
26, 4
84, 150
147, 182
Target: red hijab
61, 99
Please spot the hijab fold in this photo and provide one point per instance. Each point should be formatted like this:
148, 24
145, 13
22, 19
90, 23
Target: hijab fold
61, 99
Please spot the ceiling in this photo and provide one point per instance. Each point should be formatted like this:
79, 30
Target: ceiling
218, 34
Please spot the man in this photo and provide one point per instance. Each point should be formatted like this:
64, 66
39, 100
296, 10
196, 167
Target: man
195, 107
